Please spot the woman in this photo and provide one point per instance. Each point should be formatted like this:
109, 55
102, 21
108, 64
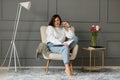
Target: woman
57, 32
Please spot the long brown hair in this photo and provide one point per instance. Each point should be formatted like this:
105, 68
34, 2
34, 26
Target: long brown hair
53, 19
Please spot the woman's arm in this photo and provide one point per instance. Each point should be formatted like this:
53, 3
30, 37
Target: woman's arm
69, 33
68, 30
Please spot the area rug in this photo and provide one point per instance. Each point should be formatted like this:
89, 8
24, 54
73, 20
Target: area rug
59, 74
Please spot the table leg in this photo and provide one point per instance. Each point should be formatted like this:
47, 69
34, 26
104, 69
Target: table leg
90, 60
94, 58
82, 59
102, 60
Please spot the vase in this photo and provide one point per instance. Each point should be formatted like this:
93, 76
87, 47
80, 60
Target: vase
94, 39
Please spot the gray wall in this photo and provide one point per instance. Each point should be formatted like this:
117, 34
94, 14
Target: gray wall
79, 13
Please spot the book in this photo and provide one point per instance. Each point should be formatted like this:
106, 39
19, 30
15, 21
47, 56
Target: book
91, 48
68, 42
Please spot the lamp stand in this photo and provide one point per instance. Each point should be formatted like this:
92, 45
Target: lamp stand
12, 48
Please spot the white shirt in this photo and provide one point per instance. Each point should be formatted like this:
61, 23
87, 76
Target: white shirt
58, 35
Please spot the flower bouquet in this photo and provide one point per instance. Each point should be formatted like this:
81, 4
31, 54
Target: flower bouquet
95, 30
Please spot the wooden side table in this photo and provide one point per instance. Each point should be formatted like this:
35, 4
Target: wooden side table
91, 51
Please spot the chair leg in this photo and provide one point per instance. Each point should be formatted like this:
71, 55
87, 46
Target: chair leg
71, 67
46, 69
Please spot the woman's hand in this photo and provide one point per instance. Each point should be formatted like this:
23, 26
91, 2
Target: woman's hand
65, 44
65, 24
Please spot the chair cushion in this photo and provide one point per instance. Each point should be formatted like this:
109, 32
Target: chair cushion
55, 56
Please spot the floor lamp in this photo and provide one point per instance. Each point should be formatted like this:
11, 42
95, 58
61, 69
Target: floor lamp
12, 48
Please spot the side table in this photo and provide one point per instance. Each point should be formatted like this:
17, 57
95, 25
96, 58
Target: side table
91, 51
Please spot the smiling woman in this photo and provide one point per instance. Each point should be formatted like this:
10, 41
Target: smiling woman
56, 37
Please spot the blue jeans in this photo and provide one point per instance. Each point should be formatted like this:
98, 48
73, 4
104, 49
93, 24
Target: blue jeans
62, 49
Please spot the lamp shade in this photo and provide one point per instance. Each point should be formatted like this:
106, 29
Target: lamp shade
26, 5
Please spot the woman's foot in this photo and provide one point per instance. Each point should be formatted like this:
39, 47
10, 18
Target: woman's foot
69, 73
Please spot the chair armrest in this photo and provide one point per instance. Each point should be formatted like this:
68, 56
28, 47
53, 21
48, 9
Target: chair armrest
74, 52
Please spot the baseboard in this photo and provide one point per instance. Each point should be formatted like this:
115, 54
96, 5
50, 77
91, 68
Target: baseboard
61, 67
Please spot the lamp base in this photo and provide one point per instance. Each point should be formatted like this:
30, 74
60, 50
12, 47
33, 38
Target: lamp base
13, 52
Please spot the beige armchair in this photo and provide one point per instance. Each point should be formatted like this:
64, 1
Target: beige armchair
53, 56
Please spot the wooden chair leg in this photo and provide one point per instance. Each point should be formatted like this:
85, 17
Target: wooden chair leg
46, 69
71, 67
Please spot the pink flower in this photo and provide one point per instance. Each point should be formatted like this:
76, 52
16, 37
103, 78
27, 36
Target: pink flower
95, 28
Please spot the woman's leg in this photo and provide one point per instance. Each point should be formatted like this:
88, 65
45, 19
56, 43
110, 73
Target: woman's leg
64, 50
67, 70
75, 41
